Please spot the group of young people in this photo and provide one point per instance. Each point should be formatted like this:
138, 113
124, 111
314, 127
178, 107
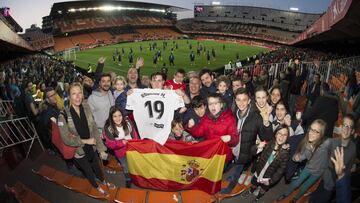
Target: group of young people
262, 133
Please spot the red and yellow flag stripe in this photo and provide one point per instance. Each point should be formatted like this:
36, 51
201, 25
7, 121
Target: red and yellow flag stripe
177, 165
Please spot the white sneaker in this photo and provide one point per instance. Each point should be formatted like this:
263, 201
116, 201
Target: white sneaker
248, 179
256, 192
242, 178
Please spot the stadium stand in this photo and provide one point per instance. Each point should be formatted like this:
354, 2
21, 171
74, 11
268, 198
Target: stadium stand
285, 20
244, 21
190, 26
37, 38
83, 27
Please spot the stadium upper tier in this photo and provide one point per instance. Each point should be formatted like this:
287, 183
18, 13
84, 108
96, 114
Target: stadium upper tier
66, 17
286, 20
98, 21
259, 32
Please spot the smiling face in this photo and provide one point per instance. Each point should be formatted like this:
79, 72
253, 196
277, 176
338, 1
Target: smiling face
242, 101
315, 132
194, 86
178, 130
117, 118
275, 96
261, 98
132, 75
179, 77
222, 87
105, 83
347, 128
206, 79
281, 136
280, 112
200, 111
157, 82
119, 85
76, 95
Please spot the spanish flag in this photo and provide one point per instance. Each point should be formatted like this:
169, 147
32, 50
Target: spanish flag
177, 165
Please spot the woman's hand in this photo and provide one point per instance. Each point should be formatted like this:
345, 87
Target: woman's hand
287, 120
262, 144
103, 155
296, 157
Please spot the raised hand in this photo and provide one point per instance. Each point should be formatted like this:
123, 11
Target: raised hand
339, 162
139, 62
191, 123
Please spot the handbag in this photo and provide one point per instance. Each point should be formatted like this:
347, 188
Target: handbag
68, 152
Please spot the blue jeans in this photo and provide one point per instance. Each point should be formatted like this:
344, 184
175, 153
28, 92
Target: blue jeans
309, 179
124, 165
238, 169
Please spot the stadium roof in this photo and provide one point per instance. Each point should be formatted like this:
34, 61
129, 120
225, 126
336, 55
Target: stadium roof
346, 29
65, 6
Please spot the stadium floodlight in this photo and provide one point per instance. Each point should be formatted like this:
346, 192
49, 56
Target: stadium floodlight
115, 8
215, 3
293, 9
107, 8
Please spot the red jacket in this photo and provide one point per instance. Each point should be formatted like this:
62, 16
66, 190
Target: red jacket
212, 128
174, 85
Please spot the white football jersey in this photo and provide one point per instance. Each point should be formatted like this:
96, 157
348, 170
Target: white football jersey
153, 111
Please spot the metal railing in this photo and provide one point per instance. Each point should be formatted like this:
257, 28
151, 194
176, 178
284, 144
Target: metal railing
328, 70
17, 131
6, 108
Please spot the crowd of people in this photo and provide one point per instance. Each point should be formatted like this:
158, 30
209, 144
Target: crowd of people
264, 128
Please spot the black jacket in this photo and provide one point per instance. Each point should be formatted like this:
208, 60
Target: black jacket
253, 126
325, 107
277, 167
315, 94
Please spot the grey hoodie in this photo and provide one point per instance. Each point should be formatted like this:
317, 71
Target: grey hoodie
100, 106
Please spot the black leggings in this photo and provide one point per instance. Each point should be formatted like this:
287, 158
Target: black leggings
90, 169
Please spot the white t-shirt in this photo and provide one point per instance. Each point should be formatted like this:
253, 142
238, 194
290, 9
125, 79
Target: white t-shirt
154, 111
121, 134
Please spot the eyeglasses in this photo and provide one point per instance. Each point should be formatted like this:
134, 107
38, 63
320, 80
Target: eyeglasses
348, 127
314, 131
282, 134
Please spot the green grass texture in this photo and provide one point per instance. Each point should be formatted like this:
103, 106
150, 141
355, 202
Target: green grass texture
181, 55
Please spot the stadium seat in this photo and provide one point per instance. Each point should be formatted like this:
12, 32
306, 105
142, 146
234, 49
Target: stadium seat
191, 196
74, 183
130, 195
158, 196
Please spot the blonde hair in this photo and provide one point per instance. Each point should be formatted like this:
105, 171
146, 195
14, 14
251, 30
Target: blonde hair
76, 84
176, 122
318, 142
122, 79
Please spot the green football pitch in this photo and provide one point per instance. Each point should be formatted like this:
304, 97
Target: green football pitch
181, 55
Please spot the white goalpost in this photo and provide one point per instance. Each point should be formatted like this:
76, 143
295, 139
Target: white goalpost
70, 54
